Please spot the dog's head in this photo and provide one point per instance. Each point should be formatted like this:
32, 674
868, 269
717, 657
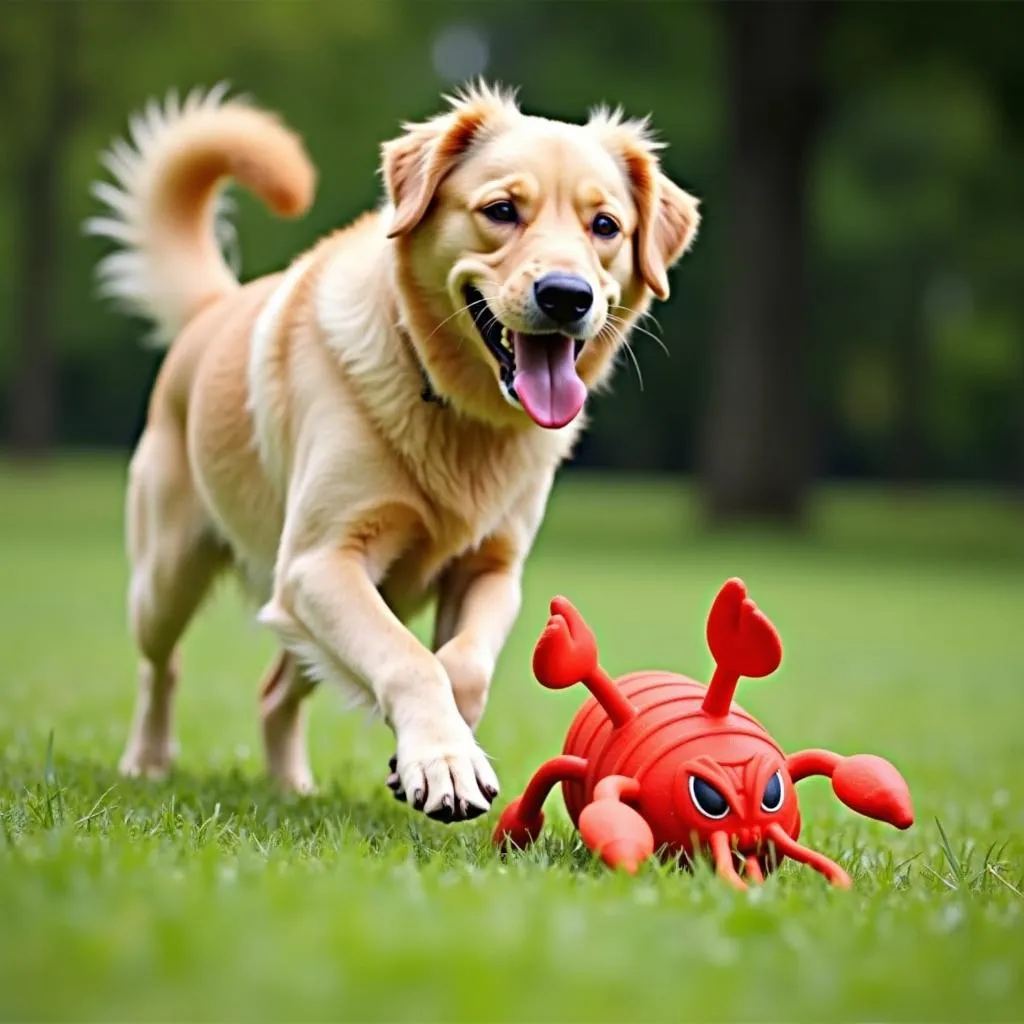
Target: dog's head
526, 248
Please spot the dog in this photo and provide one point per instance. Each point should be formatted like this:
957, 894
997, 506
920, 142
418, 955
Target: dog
378, 426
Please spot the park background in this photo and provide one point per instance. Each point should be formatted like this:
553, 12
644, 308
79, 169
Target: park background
838, 418
853, 307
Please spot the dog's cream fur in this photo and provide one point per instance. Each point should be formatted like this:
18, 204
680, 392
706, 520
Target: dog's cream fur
286, 434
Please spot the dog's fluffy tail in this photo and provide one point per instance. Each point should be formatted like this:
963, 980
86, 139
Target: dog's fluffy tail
166, 207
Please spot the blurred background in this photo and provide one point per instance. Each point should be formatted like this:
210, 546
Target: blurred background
854, 306
845, 359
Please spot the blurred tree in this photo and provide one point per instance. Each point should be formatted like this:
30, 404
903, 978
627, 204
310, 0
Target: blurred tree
43, 68
755, 460
903, 205
916, 200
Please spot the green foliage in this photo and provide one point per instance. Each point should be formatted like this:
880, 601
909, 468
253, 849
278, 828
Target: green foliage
213, 897
916, 183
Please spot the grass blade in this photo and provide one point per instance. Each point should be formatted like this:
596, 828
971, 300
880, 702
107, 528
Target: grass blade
947, 849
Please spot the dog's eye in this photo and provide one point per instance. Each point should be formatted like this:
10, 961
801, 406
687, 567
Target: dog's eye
604, 226
707, 799
502, 212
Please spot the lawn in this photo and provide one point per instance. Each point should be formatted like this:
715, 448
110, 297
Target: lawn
210, 897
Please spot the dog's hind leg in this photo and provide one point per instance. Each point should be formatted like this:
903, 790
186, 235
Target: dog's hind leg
282, 715
174, 559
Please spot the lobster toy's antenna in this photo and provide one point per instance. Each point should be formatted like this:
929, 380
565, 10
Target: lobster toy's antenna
566, 654
743, 642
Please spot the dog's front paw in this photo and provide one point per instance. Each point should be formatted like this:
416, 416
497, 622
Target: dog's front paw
447, 777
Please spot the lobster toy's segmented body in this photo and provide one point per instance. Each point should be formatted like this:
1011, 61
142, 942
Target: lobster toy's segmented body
656, 761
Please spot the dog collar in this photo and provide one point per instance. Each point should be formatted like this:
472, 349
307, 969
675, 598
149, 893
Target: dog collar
427, 392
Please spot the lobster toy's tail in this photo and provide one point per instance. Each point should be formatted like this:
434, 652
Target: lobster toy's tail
743, 642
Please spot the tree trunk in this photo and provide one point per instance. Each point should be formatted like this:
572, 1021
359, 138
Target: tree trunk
910, 373
33, 424
1017, 477
755, 457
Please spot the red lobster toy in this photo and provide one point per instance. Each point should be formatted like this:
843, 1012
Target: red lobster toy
657, 761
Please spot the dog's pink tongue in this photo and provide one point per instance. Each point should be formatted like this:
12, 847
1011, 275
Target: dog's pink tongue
546, 380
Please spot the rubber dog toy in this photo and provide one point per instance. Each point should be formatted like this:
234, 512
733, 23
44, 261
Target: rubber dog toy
656, 761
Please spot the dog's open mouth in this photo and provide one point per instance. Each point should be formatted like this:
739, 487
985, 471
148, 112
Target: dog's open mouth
537, 370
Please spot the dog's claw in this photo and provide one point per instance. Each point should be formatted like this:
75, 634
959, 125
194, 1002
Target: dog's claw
394, 780
472, 811
444, 812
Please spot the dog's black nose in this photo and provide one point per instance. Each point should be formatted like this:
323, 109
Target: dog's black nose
564, 297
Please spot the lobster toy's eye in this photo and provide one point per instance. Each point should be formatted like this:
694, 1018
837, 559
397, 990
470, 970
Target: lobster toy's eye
707, 799
774, 793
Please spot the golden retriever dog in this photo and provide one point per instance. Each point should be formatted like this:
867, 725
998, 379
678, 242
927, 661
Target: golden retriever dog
378, 426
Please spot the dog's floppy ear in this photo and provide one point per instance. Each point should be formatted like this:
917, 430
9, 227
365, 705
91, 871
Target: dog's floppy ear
668, 225
417, 161
667, 216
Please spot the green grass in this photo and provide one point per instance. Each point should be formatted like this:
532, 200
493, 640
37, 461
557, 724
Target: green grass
211, 897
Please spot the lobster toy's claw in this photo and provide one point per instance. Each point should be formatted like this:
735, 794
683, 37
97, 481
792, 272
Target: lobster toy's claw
743, 641
566, 652
613, 830
873, 787
867, 784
